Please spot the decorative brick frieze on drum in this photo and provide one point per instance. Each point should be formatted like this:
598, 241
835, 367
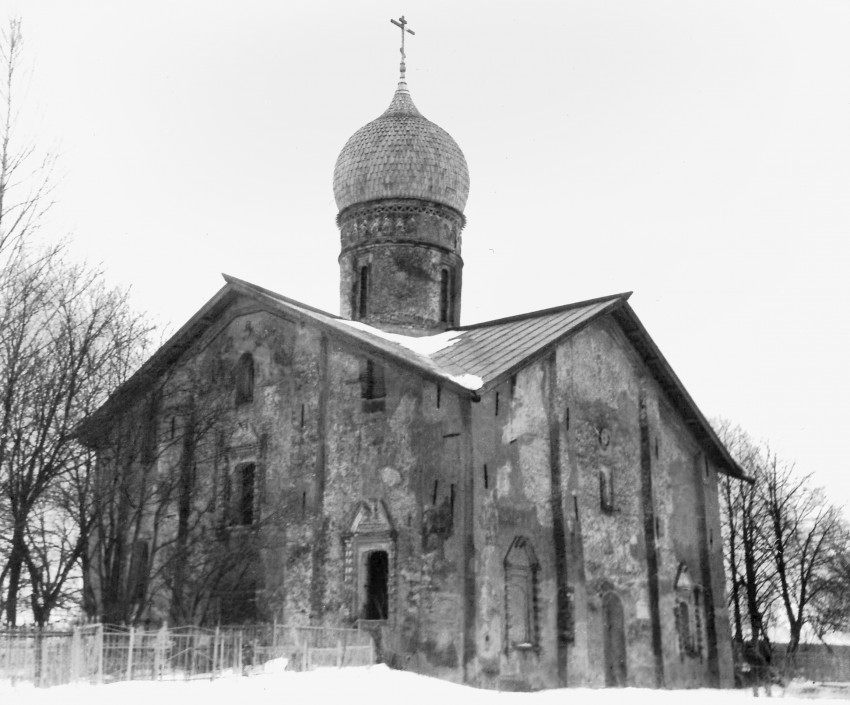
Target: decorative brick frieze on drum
400, 220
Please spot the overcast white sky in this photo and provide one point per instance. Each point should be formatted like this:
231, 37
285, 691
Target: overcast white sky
697, 153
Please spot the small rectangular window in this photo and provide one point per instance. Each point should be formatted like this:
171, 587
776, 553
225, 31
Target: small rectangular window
245, 379
149, 440
245, 495
372, 386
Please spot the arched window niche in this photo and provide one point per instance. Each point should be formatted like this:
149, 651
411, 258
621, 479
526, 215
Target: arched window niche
606, 490
245, 379
688, 614
521, 608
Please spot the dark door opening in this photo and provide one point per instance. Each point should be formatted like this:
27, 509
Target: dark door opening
377, 594
614, 640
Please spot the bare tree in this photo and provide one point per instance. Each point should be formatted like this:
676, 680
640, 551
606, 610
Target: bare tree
166, 540
800, 529
63, 332
64, 337
786, 551
752, 593
25, 172
831, 605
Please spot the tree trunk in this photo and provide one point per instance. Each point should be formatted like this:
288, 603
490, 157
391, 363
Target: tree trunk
16, 564
750, 580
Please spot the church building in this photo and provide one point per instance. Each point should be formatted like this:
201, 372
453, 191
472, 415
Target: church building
529, 502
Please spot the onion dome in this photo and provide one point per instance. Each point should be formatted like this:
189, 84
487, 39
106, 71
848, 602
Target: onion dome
401, 154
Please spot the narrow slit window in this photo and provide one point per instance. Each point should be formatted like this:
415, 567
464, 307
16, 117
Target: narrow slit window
444, 296
245, 379
372, 386
452, 297
497, 403
246, 478
486, 478
362, 305
606, 490
149, 434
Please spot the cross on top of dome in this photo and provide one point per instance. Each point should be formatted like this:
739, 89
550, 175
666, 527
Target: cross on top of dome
401, 23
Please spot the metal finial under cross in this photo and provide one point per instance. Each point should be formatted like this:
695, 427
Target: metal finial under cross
400, 23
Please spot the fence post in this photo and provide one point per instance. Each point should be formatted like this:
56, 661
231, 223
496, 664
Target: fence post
75, 654
239, 651
216, 648
130, 655
100, 645
159, 652
42, 658
339, 653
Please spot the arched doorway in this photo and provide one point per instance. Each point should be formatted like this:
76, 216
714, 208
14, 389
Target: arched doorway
377, 589
614, 640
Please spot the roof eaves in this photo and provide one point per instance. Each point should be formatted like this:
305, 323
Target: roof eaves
170, 350
624, 296
248, 286
670, 382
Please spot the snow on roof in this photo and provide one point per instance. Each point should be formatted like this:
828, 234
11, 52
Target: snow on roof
424, 345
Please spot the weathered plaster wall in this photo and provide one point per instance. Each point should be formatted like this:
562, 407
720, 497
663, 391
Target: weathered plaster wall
595, 412
322, 452
447, 487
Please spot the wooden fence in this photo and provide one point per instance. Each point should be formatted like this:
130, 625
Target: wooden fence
102, 653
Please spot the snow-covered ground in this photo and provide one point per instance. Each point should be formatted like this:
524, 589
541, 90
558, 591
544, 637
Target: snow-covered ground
374, 685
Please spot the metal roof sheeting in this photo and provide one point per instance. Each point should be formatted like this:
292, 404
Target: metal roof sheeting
492, 350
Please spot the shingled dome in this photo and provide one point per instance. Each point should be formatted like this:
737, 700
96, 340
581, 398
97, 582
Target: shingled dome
401, 154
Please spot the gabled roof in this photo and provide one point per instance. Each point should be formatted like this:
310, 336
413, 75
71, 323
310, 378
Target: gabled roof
494, 350
469, 360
